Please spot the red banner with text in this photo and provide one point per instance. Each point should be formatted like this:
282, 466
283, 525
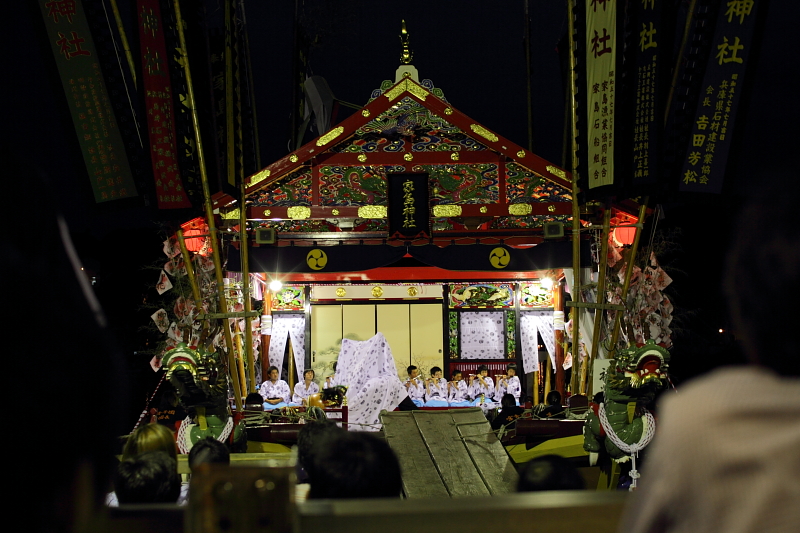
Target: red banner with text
159, 105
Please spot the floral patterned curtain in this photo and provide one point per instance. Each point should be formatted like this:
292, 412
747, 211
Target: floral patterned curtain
482, 335
284, 327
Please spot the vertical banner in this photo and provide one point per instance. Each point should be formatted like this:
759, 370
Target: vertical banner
158, 103
600, 53
408, 205
87, 98
648, 117
703, 167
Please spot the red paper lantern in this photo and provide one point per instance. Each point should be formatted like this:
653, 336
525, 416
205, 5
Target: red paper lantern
624, 235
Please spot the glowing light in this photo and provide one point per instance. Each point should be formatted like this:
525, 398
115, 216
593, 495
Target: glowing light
721, 330
546, 283
275, 285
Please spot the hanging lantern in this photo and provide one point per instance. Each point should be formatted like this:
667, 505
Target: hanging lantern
196, 226
624, 236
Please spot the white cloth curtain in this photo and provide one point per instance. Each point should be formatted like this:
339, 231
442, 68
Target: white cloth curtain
544, 326
482, 335
586, 330
368, 369
284, 327
530, 342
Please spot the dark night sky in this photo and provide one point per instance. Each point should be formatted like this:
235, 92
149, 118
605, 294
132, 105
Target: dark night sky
472, 50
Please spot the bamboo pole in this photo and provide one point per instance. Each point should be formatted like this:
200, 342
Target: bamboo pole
229, 128
536, 386
628, 272
547, 381
248, 306
291, 378
212, 229
124, 38
576, 211
198, 300
240, 361
601, 299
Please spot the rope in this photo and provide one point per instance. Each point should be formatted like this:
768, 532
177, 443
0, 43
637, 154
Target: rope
184, 445
630, 449
147, 405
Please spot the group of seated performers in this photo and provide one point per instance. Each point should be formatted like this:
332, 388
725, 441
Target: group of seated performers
276, 392
436, 391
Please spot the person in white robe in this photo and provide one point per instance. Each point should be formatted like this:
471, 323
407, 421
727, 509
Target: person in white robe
436, 389
276, 392
457, 391
509, 384
481, 389
415, 387
332, 380
305, 388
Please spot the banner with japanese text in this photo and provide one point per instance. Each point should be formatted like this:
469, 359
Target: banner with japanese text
98, 133
651, 42
408, 205
600, 53
160, 114
703, 166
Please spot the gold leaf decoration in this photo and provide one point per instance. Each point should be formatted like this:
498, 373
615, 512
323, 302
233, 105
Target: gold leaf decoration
334, 212
483, 132
267, 212
556, 171
484, 209
230, 214
408, 157
293, 158
297, 212
454, 156
551, 208
519, 209
377, 292
365, 112
362, 157
448, 111
340, 292
372, 211
406, 86
521, 154
413, 291
331, 135
446, 210
259, 176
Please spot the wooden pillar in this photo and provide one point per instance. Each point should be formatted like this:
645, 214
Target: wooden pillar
558, 305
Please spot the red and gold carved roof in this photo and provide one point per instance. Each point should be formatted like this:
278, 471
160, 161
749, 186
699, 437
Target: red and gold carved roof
476, 177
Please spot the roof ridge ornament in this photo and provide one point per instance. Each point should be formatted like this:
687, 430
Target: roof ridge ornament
406, 55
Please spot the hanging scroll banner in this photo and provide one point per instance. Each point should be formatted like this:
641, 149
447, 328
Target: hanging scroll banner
653, 42
600, 53
87, 98
703, 167
158, 103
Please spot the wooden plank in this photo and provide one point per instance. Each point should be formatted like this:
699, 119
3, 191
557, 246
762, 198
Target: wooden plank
451, 458
420, 477
486, 451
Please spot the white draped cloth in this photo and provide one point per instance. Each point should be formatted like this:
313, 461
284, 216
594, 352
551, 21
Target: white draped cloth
482, 335
285, 327
368, 368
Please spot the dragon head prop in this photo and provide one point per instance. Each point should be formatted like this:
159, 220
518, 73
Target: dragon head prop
197, 377
638, 371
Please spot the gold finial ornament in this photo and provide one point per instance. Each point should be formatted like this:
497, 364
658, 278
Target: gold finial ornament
407, 55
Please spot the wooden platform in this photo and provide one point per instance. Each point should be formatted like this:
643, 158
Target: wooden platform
449, 453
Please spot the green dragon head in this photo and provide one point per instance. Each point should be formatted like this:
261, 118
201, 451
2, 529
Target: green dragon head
637, 373
196, 377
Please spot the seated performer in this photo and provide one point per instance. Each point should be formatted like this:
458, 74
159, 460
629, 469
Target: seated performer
305, 389
481, 389
332, 380
509, 384
457, 391
274, 391
414, 386
436, 389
